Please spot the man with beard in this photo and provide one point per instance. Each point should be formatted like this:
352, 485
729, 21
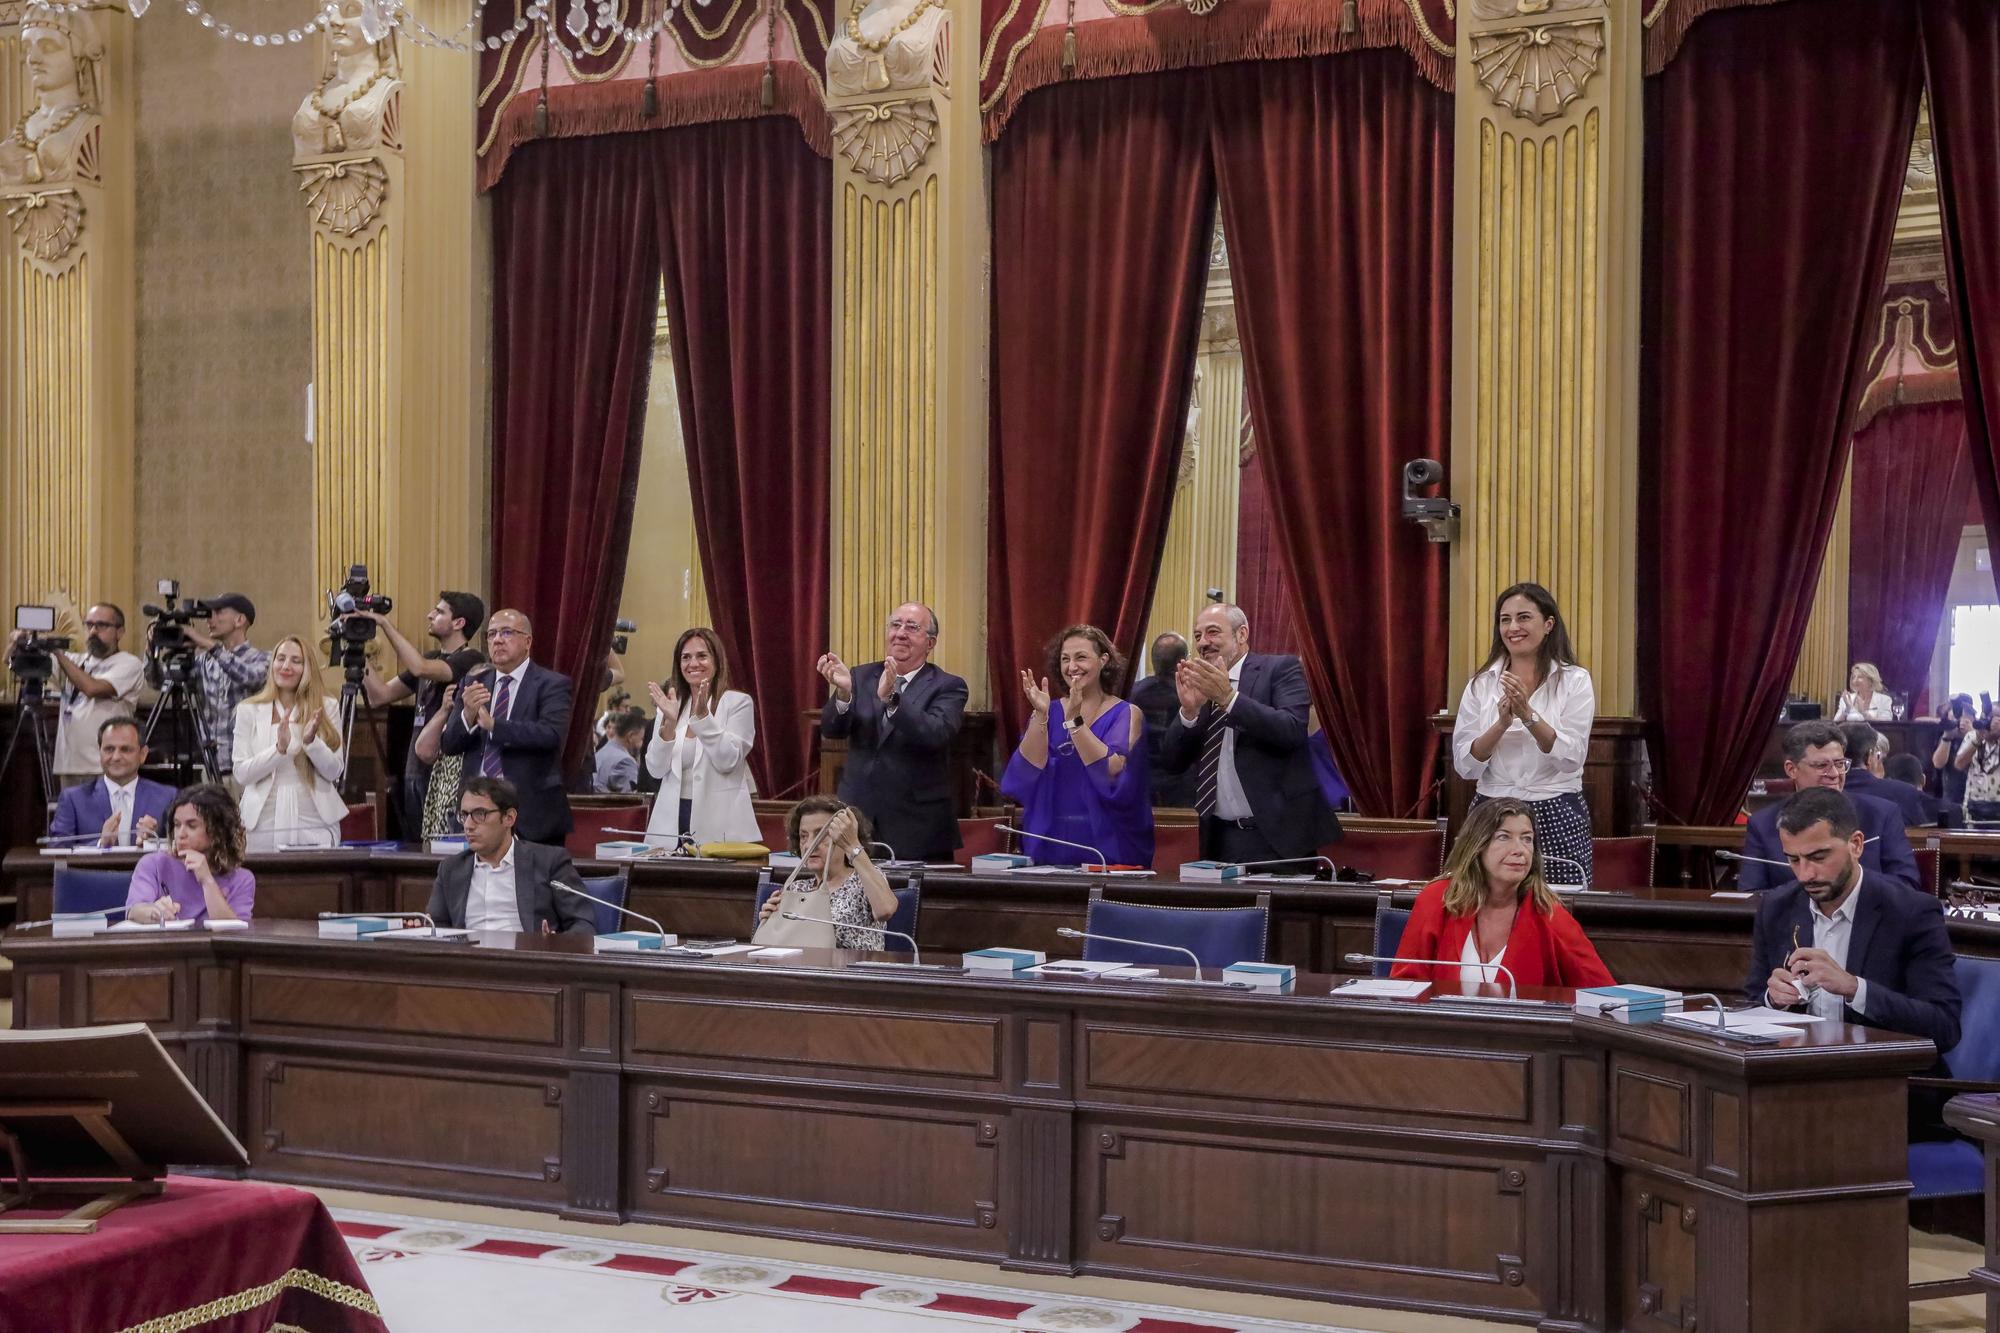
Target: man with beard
451, 625
1241, 726
1845, 944
99, 684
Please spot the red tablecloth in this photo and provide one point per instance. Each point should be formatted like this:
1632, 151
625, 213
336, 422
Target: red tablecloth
205, 1256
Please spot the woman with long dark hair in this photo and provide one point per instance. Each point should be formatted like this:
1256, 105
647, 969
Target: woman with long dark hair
1524, 727
700, 749
1080, 771
203, 877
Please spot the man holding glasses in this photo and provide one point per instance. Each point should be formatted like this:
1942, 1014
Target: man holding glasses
1816, 756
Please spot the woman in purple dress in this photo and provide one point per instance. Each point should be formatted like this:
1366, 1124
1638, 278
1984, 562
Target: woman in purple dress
1080, 771
204, 875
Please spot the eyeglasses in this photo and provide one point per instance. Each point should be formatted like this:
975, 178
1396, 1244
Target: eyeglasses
477, 816
914, 626
1826, 766
493, 634
102, 624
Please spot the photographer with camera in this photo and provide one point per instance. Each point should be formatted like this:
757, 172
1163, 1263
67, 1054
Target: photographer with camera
99, 684
1956, 718
427, 675
231, 670
1979, 759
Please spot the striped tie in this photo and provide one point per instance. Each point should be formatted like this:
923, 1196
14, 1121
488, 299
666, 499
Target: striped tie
1211, 761
489, 760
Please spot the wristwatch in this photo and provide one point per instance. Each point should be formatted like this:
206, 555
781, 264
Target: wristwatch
1534, 718
1072, 723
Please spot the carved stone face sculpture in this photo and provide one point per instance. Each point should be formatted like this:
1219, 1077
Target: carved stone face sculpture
58, 52
52, 71
358, 82
345, 36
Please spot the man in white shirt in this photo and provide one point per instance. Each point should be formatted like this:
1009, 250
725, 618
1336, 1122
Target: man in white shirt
1848, 947
99, 683
501, 883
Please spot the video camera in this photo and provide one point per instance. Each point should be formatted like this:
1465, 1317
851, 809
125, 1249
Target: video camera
349, 634
33, 659
169, 650
620, 628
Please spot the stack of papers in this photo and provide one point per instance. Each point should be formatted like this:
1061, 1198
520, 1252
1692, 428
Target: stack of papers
1382, 988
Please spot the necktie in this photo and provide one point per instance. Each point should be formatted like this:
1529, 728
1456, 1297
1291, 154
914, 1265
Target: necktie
489, 758
896, 699
121, 805
1211, 761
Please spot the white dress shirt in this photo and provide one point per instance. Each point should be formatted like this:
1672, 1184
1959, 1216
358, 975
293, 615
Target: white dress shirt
1517, 766
490, 903
1834, 934
75, 750
122, 799
1230, 802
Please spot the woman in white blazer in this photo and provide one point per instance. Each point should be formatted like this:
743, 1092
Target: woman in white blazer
700, 749
288, 756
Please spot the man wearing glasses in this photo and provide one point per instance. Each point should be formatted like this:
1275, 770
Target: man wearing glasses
1816, 756
99, 684
511, 722
501, 882
899, 717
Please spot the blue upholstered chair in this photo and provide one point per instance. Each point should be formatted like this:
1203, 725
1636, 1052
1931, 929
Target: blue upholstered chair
91, 890
1953, 1166
611, 888
1389, 922
909, 901
1218, 936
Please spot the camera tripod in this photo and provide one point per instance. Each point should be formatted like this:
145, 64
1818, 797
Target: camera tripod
187, 740
28, 717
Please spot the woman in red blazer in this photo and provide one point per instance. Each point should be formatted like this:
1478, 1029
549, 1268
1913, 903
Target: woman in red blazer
1493, 906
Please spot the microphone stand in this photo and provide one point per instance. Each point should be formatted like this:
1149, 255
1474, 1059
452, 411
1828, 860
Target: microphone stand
424, 917
1103, 865
1513, 995
1194, 960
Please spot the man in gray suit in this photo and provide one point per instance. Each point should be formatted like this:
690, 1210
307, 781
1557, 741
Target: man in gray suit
503, 883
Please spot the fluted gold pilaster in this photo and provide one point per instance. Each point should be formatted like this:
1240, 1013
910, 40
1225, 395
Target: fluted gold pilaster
908, 467
1822, 670
1544, 411
1201, 532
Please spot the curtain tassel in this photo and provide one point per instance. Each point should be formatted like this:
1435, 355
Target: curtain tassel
649, 100
1069, 51
542, 116
1347, 17
767, 92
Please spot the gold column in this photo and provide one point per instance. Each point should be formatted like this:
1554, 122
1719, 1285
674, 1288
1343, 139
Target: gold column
909, 333
66, 311
1201, 533
1545, 323
1822, 670
398, 236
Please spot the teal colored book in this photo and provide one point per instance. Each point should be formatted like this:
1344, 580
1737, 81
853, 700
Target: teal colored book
1199, 871
1005, 962
632, 941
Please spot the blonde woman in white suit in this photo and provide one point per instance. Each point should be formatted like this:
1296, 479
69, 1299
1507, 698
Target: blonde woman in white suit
700, 749
288, 757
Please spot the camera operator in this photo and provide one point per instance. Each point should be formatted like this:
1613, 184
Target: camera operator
231, 671
1979, 759
451, 624
99, 684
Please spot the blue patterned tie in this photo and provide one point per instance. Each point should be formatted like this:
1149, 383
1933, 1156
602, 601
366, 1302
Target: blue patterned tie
489, 760
1210, 770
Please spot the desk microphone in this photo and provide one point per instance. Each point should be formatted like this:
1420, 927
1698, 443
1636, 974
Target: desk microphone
885, 847
1722, 1012
424, 917
77, 839
681, 842
1725, 854
1332, 870
69, 916
658, 929
1583, 876
1102, 861
885, 933
1512, 992
1071, 933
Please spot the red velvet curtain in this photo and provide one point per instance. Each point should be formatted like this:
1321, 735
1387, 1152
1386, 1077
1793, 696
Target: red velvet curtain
744, 224
1335, 177
1911, 473
1962, 58
1101, 219
1775, 148
1263, 589
575, 278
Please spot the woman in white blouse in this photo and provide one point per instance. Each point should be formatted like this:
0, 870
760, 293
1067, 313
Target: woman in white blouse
1523, 727
700, 750
1865, 700
288, 757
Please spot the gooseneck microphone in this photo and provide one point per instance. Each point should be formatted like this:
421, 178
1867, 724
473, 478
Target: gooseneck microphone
885, 932
1068, 932
658, 929
1513, 993
424, 917
1061, 842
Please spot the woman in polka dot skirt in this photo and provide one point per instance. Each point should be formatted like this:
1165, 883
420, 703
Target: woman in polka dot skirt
1523, 727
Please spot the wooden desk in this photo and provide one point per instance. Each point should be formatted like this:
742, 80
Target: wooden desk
1525, 1165
1977, 1116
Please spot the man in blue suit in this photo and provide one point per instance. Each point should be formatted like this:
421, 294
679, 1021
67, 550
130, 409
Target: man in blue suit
511, 722
1816, 756
1844, 944
118, 807
1868, 775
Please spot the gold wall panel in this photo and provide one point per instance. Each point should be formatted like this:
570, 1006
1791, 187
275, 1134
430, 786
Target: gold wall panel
53, 425
885, 463
1200, 551
355, 479
14, 503
1822, 670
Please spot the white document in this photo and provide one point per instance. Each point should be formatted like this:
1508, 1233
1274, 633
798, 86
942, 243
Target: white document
176, 924
775, 953
1755, 1014
1077, 967
1383, 988
1732, 893
722, 950
420, 933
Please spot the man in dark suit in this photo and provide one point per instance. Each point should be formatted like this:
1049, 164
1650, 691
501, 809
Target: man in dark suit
899, 718
1155, 697
1844, 944
502, 882
1867, 775
1241, 728
1816, 756
511, 722
117, 807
